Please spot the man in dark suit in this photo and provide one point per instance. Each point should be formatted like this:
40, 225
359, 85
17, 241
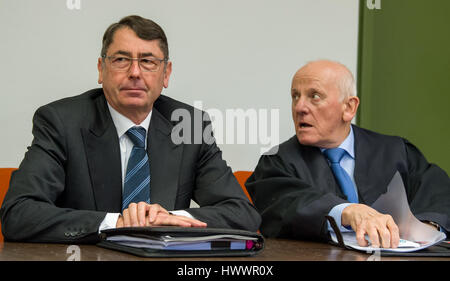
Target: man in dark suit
74, 180
296, 188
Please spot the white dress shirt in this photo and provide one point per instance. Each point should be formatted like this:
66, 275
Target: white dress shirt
123, 124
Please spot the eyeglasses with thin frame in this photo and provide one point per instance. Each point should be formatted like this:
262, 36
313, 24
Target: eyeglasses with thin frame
123, 63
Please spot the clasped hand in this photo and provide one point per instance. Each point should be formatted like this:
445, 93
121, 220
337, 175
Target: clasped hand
143, 214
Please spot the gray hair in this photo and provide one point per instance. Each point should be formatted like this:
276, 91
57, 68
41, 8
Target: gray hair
347, 84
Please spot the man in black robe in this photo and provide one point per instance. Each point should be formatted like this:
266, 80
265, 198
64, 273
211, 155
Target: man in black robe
295, 188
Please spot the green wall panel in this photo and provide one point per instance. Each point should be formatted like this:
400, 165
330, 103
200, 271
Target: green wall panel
404, 73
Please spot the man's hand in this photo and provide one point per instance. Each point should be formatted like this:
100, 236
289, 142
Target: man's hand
380, 228
143, 214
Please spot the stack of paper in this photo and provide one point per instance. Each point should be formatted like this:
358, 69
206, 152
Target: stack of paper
414, 234
167, 242
404, 246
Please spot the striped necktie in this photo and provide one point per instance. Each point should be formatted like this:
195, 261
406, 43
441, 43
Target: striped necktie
137, 180
345, 182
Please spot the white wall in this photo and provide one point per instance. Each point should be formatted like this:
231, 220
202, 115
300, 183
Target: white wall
227, 54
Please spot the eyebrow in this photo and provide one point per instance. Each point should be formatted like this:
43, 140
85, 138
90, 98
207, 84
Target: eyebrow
309, 90
149, 54
315, 89
125, 53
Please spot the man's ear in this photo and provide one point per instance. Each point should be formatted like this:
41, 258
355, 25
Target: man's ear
100, 70
167, 72
350, 108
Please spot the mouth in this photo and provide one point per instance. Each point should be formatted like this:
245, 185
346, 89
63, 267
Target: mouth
304, 125
136, 92
132, 89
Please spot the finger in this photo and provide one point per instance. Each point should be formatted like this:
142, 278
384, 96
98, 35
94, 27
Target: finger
119, 222
395, 233
153, 211
142, 208
197, 223
385, 237
360, 237
132, 211
192, 221
167, 219
373, 236
126, 218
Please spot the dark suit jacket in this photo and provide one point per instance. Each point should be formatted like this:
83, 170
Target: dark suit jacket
71, 175
295, 189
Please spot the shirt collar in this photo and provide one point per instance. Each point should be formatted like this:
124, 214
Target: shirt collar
122, 123
348, 144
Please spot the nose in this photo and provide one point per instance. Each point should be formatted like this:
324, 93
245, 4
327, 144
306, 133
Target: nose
301, 106
135, 69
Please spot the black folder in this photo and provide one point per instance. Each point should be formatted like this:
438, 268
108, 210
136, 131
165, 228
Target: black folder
172, 241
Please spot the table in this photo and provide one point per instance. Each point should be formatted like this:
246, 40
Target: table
275, 250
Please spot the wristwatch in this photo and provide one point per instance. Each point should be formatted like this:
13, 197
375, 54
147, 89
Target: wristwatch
434, 224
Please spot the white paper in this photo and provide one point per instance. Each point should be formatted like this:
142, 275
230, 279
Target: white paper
395, 203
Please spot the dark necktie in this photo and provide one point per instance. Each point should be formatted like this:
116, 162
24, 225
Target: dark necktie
345, 182
136, 186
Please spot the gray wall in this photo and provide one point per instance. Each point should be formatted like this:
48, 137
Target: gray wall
227, 54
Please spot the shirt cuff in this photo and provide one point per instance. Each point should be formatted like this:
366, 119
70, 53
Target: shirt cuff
110, 221
336, 213
181, 213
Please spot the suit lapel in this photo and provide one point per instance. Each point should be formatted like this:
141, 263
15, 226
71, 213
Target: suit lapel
165, 161
321, 174
103, 156
366, 178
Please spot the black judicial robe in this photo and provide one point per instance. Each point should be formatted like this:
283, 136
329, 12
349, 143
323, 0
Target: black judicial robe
295, 188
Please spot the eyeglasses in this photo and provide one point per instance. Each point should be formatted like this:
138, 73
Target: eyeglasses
146, 64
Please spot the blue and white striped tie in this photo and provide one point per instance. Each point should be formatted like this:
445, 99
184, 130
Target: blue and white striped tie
137, 180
